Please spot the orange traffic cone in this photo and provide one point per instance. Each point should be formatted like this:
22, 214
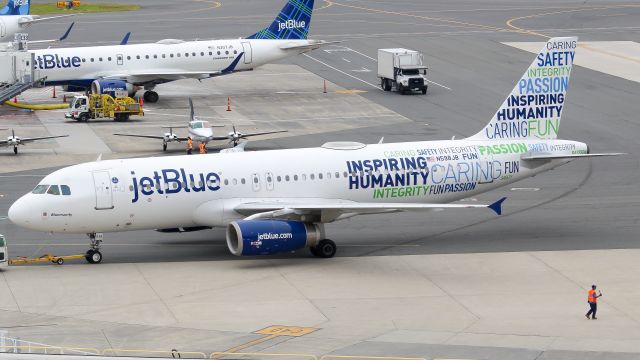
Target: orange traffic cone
140, 101
325, 87
54, 92
228, 103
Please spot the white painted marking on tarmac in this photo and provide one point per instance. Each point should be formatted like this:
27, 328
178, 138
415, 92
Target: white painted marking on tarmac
340, 71
14, 176
346, 60
298, 119
435, 83
525, 189
364, 69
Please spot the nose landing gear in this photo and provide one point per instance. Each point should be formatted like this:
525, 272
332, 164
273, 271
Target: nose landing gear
93, 255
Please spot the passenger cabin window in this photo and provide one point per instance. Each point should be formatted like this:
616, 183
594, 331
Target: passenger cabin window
65, 190
40, 189
53, 190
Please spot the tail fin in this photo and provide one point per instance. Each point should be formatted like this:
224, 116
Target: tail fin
16, 7
292, 22
534, 107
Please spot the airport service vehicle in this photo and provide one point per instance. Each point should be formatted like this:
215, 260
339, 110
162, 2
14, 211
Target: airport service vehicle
146, 65
15, 18
15, 141
279, 200
100, 106
4, 252
200, 131
402, 69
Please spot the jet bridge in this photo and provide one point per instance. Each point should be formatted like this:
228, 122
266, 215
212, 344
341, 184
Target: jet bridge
17, 72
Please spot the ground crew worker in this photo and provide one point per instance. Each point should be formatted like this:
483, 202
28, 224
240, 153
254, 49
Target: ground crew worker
189, 145
592, 299
203, 148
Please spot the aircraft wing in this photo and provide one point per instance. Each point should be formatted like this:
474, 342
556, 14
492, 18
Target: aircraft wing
311, 45
262, 133
34, 19
28, 140
548, 156
331, 210
150, 136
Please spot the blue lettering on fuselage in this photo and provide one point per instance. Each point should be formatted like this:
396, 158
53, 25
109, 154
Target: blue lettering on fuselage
172, 181
50, 61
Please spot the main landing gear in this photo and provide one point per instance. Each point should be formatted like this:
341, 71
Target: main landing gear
325, 249
93, 255
151, 96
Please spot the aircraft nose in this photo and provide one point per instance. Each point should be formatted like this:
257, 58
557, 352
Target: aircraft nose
19, 213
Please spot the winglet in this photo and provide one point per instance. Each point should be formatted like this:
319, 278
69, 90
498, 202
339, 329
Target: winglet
67, 32
233, 65
497, 206
125, 39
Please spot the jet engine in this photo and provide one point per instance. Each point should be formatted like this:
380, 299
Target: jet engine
115, 88
266, 237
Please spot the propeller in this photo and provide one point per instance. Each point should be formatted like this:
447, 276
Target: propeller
235, 136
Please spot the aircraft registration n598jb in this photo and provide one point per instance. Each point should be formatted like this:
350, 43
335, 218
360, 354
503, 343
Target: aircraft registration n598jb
129, 67
278, 201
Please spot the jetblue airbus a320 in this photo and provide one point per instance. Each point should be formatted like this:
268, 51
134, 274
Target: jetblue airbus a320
278, 201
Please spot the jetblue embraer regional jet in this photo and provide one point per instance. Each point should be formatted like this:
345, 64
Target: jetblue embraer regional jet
147, 65
278, 201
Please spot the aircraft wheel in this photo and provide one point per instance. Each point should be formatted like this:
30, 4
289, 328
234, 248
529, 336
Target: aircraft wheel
164, 147
15, 150
93, 256
325, 249
151, 96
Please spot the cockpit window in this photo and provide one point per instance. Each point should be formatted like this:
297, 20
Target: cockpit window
197, 125
65, 190
40, 189
205, 124
53, 190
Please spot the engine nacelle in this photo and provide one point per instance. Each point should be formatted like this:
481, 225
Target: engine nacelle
266, 237
115, 88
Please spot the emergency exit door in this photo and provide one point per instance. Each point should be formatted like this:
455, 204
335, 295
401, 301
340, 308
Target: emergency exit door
102, 185
120, 59
246, 47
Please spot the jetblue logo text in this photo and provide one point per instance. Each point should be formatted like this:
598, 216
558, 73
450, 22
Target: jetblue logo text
48, 61
18, 3
172, 181
291, 24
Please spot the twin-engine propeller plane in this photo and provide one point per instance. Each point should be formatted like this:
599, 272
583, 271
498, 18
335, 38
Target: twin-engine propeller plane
200, 131
132, 66
15, 141
279, 200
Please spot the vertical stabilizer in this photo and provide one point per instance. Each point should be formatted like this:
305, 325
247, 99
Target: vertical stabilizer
534, 107
292, 22
16, 7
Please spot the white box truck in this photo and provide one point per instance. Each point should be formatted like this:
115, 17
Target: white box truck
402, 69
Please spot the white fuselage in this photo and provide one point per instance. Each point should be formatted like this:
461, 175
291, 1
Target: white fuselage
156, 62
10, 25
203, 190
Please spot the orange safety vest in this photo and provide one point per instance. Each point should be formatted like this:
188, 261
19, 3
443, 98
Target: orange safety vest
190, 144
592, 296
203, 149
